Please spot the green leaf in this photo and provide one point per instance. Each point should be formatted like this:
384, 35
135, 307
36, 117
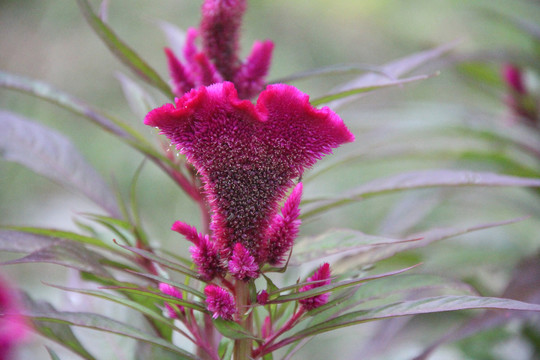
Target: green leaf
57, 332
52, 354
342, 242
102, 323
16, 241
374, 254
162, 261
413, 307
331, 70
123, 52
332, 287
172, 283
343, 94
66, 253
418, 180
52, 155
233, 330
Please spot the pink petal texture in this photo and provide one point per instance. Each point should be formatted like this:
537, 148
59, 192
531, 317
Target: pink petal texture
189, 232
207, 258
220, 29
181, 80
171, 291
250, 79
284, 229
514, 78
322, 273
13, 326
220, 302
248, 155
262, 297
242, 265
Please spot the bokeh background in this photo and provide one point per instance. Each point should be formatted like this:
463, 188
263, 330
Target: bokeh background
50, 41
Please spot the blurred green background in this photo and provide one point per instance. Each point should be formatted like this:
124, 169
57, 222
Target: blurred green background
50, 41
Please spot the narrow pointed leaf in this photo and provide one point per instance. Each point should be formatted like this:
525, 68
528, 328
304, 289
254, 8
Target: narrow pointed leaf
52, 155
57, 332
52, 353
102, 323
419, 180
15, 241
123, 52
233, 330
173, 283
66, 253
331, 71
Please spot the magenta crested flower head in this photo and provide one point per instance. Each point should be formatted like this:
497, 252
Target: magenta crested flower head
322, 274
219, 61
248, 155
220, 302
242, 264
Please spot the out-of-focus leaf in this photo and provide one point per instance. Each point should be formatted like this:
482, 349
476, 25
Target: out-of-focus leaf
15, 241
59, 234
123, 52
160, 296
337, 241
46, 92
332, 287
146, 351
176, 37
52, 353
101, 323
392, 71
372, 255
418, 180
50, 154
66, 253
331, 71
162, 261
173, 283
232, 330
140, 101
58, 332
413, 307
344, 94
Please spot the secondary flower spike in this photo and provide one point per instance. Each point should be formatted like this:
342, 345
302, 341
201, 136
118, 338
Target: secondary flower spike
218, 60
220, 302
322, 273
248, 155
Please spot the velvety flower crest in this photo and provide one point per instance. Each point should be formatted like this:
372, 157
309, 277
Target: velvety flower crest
242, 264
171, 291
246, 154
218, 61
322, 273
220, 302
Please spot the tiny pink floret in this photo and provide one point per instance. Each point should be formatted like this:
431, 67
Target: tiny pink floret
220, 302
171, 291
248, 155
242, 265
322, 273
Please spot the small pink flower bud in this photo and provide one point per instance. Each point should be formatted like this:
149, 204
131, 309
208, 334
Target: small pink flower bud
242, 265
513, 77
206, 256
266, 328
262, 297
172, 291
322, 273
220, 302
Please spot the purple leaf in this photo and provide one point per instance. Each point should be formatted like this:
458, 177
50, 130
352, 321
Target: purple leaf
50, 154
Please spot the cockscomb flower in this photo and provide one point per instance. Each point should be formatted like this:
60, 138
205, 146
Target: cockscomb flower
205, 253
242, 264
322, 273
218, 61
220, 302
284, 228
172, 310
248, 155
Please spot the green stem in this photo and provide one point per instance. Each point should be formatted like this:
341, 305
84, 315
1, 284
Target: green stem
242, 347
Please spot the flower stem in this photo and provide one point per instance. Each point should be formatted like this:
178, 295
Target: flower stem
242, 347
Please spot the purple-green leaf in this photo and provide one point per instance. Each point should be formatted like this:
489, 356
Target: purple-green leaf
122, 51
101, 323
418, 180
233, 330
15, 241
413, 307
50, 154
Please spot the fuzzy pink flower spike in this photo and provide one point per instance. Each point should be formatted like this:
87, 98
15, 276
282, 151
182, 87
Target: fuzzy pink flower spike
250, 78
284, 229
248, 155
220, 302
242, 265
204, 253
322, 273
171, 291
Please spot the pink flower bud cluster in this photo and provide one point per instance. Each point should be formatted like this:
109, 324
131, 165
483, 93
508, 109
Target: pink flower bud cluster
523, 105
